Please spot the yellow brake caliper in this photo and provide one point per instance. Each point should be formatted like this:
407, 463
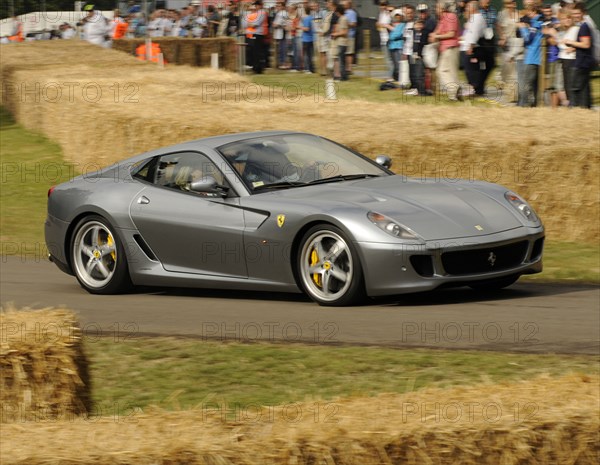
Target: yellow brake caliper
314, 259
110, 242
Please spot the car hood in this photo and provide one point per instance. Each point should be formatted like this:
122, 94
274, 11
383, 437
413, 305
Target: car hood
433, 209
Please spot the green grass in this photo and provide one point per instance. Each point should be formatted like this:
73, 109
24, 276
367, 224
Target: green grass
185, 373
31, 164
567, 261
313, 86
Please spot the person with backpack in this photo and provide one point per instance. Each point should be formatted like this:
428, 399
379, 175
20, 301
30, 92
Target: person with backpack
584, 59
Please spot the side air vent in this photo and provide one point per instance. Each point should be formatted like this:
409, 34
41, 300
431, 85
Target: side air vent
145, 247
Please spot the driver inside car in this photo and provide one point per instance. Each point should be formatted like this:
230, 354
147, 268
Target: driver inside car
268, 164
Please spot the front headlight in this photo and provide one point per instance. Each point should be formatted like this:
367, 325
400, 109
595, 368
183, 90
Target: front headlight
523, 207
391, 227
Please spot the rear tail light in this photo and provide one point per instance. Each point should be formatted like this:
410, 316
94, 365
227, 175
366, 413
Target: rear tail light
50, 191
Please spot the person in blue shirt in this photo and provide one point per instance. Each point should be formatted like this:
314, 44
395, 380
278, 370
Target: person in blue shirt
396, 42
530, 29
308, 38
352, 18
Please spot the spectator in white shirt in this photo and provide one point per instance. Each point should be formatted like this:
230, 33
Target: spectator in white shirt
384, 20
96, 29
473, 31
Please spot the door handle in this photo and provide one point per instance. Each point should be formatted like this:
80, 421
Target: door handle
143, 200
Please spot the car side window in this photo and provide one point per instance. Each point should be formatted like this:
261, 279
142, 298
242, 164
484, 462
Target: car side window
179, 170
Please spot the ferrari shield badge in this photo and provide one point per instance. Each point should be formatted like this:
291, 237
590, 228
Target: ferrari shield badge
280, 220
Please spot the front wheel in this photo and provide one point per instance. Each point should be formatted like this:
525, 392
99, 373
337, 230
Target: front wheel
494, 284
98, 257
329, 268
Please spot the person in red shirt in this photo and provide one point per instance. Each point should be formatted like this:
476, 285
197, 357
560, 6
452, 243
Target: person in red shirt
446, 34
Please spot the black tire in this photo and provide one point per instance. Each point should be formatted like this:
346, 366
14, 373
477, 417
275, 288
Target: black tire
494, 284
98, 257
329, 269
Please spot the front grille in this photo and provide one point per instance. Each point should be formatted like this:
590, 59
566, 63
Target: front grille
485, 260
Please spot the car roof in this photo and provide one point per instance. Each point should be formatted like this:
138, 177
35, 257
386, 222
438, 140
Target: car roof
198, 144
218, 141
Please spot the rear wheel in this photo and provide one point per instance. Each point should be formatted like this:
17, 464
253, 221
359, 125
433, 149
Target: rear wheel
494, 284
98, 257
329, 268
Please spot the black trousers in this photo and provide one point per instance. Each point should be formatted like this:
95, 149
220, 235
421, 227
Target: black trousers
568, 68
472, 69
486, 54
581, 88
416, 72
256, 47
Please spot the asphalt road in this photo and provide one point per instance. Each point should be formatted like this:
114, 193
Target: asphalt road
524, 318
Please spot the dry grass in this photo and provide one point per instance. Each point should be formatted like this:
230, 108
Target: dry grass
42, 364
550, 157
543, 422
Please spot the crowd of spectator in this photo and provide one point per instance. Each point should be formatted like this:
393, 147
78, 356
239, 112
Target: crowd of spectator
474, 36
423, 49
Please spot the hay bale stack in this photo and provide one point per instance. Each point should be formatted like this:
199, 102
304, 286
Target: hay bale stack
43, 369
539, 422
188, 54
184, 51
548, 158
170, 47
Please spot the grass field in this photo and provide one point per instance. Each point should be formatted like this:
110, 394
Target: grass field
360, 87
178, 373
31, 164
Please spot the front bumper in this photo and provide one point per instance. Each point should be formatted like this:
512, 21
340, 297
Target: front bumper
395, 268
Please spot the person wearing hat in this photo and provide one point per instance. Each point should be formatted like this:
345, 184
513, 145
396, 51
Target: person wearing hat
96, 29
429, 25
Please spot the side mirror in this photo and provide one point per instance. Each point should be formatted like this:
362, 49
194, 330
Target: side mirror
384, 161
208, 185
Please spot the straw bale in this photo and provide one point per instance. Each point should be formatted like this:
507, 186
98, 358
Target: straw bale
545, 421
549, 156
187, 53
184, 51
43, 368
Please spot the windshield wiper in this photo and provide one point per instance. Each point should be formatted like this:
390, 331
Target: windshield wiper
339, 177
280, 185
344, 177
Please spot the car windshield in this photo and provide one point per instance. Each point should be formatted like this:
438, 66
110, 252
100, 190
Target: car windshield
293, 160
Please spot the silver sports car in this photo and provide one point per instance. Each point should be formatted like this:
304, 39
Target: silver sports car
286, 211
